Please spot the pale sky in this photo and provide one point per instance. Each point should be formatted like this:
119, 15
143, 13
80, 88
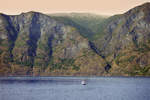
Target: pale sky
103, 7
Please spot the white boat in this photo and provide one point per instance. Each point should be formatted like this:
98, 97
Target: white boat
83, 82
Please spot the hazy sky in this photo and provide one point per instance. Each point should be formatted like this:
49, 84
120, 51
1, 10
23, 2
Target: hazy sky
106, 7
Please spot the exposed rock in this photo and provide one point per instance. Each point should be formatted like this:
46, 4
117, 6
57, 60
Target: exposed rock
37, 44
41, 44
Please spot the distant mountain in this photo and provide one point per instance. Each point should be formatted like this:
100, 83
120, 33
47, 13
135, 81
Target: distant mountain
91, 24
79, 44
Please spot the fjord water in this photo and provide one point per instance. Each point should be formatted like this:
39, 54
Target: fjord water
70, 88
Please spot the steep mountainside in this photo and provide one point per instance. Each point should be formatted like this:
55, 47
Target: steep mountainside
76, 44
126, 43
36, 44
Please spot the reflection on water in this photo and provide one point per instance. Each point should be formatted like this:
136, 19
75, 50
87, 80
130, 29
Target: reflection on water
70, 88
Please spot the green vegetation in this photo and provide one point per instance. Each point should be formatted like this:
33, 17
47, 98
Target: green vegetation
117, 59
137, 70
120, 60
77, 68
130, 59
143, 47
89, 25
24, 63
1, 52
65, 64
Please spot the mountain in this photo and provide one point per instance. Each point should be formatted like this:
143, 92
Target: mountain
126, 43
36, 44
76, 44
88, 24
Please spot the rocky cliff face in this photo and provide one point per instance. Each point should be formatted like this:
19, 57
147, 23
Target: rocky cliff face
127, 28
37, 44
127, 40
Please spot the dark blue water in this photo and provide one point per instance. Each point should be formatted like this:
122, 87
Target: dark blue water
70, 88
